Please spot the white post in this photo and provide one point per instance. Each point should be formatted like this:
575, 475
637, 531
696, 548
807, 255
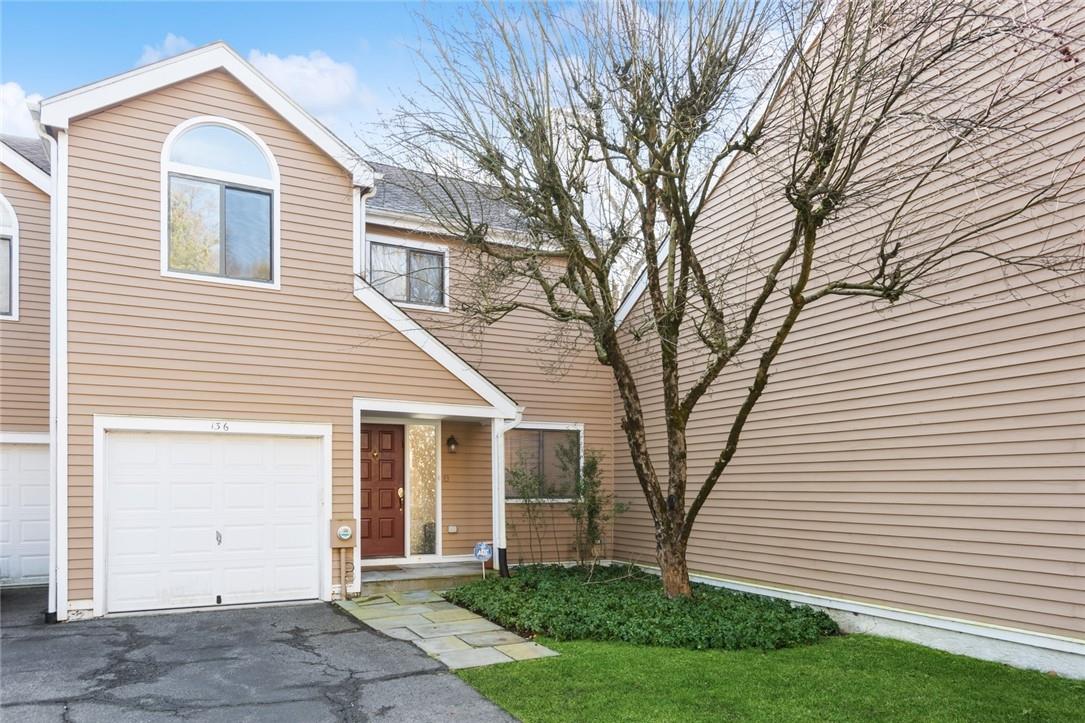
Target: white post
497, 459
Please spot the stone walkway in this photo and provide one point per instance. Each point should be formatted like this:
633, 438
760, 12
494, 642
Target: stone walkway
456, 637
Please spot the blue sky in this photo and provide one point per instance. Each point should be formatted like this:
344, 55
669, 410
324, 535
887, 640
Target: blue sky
344, 61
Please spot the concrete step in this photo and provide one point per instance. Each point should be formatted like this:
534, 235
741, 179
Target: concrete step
408, 579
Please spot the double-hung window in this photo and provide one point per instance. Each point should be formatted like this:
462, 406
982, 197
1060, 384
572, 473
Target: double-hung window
408, 274
221, 196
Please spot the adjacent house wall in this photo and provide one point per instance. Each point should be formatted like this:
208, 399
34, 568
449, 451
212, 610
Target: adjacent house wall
555, 380
24, 344
141, 344
928, 456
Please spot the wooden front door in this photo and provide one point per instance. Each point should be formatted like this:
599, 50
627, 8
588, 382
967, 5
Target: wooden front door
381, 529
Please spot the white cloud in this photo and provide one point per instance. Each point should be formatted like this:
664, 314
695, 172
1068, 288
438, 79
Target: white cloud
327, 88
14, 111
316, 81
170, 45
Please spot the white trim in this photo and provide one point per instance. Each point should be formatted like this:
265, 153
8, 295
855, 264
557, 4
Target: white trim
24, 438
405, 412
17, 163
13, 234
58, 368
425, 225
497, 479
226, 427
577, 427
59, 110
405, 422
273, 186
1016, 636
423, 410
428, 246
435, 349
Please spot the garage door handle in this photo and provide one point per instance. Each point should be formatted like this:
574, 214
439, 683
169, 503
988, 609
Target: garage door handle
218, 537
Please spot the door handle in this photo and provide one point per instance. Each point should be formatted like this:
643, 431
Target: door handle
400, 493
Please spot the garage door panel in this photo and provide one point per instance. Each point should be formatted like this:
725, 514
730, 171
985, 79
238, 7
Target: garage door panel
24, 514
221, 517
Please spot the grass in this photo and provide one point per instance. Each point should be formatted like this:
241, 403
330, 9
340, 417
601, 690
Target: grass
851, 678
628, 605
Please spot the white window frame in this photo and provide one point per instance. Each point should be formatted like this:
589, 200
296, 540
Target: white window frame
12, 232
427, 246
273, 187
577, 427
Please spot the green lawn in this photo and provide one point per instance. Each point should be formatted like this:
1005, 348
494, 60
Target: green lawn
849, 678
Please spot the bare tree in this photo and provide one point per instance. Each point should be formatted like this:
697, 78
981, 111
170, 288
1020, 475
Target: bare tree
606, 128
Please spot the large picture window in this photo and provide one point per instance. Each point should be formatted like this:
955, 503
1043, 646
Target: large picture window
221, 196
407, 274
542, 463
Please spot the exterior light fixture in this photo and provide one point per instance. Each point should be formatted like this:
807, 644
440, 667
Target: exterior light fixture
452, 444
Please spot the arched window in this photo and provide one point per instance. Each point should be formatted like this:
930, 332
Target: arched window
220, 204
9, 261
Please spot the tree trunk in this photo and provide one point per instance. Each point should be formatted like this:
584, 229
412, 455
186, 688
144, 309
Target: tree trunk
671, 555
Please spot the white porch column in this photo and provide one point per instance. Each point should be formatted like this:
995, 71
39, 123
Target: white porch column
497, 463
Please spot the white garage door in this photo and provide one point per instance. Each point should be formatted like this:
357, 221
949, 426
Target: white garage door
195, 519
24, 514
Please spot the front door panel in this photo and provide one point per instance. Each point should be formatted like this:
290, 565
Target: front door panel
380, 533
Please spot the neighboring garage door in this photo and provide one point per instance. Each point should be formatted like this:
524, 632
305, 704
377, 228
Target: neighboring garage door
195, 519
24, 514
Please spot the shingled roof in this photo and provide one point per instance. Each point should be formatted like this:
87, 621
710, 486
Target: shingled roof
32, 149
416, 193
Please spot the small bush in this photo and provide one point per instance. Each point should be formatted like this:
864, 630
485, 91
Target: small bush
627, 604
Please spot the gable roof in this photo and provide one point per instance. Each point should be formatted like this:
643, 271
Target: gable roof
417, 194
59, 110
28, 157
34, 150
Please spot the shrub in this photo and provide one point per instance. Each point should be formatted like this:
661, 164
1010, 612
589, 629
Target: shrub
627, 604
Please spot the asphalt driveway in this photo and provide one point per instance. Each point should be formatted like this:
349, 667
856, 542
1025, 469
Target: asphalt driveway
291, 663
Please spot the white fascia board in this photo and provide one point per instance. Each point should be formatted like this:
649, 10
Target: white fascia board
59, 110
420, 224
34, 175
502, 404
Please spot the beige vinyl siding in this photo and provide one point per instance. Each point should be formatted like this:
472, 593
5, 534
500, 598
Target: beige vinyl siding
928, 456
142, 344
24, 344
554, 382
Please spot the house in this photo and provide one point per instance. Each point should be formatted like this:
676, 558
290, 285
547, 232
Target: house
225, 384
227, 336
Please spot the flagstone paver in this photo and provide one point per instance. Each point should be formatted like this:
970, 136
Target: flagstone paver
399, 621
415, 596
366, 613
491, 637
458, 638
433, 646
472, 657
459, 627
451, 616
400, 633
525, 651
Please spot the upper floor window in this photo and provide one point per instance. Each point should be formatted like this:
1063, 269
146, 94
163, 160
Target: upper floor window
9, 261
414, 274
221, 187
